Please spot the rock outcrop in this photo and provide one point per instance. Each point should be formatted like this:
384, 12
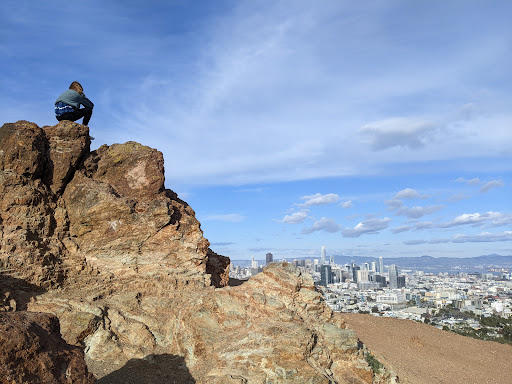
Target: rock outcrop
122, 262
32, 351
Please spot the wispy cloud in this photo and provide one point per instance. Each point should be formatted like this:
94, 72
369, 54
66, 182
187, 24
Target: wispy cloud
474, 181
491, 184
400, 229
324, 224
484, 237
417, 212
367, 227
409, 133
346, 204
229, 217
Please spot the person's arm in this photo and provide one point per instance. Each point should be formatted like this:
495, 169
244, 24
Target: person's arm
85, 101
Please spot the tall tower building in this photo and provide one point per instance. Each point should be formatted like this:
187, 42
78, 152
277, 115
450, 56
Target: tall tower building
380, 266
393, 276
325, 275
269, 258
323, 258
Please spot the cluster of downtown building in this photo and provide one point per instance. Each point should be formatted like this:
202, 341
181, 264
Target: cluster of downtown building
374, 287
367, 276
325, 272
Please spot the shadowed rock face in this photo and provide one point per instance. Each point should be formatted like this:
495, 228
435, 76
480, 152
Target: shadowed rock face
136, 277
32, 351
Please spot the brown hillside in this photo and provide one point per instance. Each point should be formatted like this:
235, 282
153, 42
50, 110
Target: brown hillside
422, 354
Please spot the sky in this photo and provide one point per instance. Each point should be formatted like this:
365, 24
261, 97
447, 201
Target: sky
375, 128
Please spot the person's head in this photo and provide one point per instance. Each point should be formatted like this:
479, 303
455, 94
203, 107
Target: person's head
75, 86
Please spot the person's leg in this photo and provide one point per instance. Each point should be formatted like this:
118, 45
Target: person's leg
86, 113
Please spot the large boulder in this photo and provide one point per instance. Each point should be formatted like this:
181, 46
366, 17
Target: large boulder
68, 214
32, 351
68, 143
23, 149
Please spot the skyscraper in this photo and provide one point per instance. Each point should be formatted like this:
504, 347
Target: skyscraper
325, 275
269, 258
380, 266
323, 258
393, 276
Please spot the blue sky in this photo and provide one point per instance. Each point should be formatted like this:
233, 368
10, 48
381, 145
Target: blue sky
376, 128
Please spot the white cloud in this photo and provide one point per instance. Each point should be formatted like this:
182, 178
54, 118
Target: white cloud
366, 227
491, 184
324, 224
319, 199
409, 193
230, 218
296, 218
490, 218
346, 204
396, 204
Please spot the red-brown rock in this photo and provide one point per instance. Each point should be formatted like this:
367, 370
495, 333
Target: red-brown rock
23, 149
68, 143
32, 351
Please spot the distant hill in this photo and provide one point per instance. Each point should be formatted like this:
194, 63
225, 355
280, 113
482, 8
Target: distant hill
483, 262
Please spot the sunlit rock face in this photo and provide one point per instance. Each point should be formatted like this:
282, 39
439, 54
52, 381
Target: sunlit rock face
96, 239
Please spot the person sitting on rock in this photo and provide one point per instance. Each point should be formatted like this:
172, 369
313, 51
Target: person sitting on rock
67, 105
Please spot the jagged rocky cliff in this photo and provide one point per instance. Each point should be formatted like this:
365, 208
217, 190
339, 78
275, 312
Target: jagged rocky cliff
95, 239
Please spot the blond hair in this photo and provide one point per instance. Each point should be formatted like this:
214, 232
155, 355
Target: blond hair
75, 86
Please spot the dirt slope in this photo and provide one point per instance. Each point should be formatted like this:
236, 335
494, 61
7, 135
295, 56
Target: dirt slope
422, 354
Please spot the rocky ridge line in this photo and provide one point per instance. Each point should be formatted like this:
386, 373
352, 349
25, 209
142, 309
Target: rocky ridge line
95, 239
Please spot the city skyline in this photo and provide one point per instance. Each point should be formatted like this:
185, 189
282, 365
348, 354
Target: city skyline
376, 129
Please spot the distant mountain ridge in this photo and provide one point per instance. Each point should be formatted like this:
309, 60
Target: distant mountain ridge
483, 262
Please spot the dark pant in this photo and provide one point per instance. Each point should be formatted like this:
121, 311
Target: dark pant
86, 113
